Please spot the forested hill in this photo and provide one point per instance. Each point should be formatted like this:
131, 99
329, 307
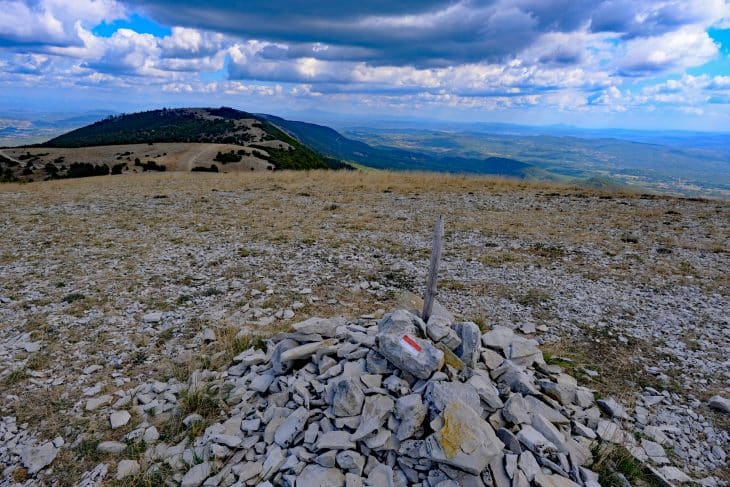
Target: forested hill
189, 125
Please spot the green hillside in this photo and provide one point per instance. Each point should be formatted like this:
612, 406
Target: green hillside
209, 125
328, 141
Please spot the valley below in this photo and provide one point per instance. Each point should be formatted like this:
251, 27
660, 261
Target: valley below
108, 283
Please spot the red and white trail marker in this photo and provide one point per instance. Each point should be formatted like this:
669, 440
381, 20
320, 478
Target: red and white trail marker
410, 345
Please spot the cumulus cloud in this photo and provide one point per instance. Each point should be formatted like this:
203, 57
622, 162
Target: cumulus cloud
190, 43
683, 48
52, 22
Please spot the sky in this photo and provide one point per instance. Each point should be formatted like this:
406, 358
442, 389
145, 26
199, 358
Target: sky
641, 64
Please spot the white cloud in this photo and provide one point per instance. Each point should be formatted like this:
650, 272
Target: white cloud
53, 22
673, 51
185, 42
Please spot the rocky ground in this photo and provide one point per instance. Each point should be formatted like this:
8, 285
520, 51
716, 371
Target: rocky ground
112, 288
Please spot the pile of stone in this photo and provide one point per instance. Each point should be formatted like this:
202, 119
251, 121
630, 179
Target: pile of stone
397, 402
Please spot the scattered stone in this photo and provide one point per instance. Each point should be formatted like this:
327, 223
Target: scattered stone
117, 419
35, 458
720, 403
91, 369
126, 468
326, 327
113, 447
196, 475
554, 481
373, 415
155, 317
32, 347
96, 402
612, 408
335, 440
673, 474
208, 335
94, 477
151, 435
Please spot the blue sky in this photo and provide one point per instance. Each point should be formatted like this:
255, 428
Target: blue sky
649, 64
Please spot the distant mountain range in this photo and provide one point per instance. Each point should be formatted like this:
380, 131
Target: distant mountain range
686, 163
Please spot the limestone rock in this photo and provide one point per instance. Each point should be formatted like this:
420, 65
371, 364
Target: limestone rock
374, 412
291, 427
335, 440
399, 343
113, 447
554, 481
468, 349
125, 468
326, 327
465, 441
411, 412
196, 475
720, 403
36, 458
440, 393
318, 476
348, 398
117, 419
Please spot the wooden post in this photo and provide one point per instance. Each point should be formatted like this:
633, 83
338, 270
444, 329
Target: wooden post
433, 268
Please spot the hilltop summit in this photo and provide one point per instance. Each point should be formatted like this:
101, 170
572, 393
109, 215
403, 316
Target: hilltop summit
196, 125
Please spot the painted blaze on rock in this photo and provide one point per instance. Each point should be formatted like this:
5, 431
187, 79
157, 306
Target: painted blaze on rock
398, 342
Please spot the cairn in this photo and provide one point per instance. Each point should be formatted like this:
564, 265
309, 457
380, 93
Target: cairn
396, 402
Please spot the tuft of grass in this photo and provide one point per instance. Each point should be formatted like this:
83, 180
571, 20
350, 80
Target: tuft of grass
39, 361
19, 475
164, 337
159, 475
481, 322
139, 357
231, 343
533, 297
611, 460
87, 450
15, 377
211, 291
629, 238
201, 401
70, 298
550, 359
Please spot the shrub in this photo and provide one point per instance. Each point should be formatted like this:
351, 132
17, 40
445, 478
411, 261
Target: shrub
226, 157
86, 169
151, 166
212, 168
70, 298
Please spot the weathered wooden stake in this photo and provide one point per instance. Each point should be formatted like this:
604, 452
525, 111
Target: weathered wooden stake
433, 268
